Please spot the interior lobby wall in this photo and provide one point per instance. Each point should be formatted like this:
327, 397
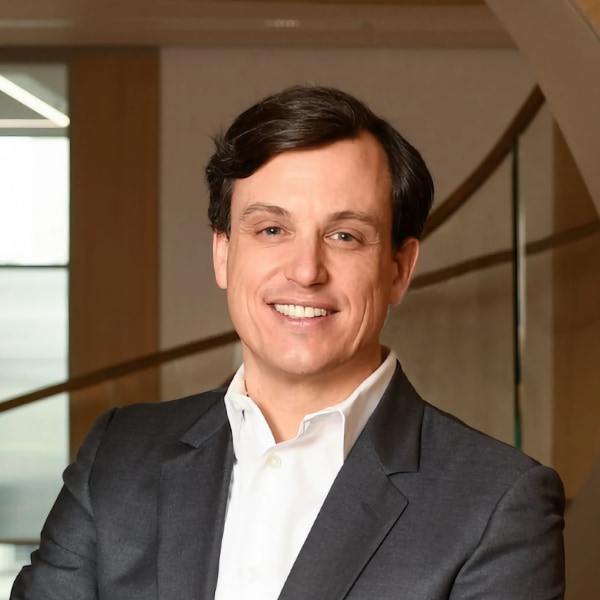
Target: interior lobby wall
452, 105
455, 338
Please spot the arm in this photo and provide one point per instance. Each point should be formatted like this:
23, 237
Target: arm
520, 555
64, 566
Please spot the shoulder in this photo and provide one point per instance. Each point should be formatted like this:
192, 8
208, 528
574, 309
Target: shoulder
168, 414
445, 435
444, 439
453, 456
478, 471
149, 428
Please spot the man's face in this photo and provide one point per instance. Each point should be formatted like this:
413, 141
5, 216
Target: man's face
309, 267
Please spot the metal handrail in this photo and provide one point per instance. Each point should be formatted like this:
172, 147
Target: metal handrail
127, 367
491, 161
438, 217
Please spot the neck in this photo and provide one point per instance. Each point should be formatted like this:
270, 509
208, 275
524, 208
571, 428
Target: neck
286, 399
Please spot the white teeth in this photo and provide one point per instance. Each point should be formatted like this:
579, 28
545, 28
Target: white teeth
302, 312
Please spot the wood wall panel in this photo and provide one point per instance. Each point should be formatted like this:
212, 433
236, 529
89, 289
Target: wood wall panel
114, 278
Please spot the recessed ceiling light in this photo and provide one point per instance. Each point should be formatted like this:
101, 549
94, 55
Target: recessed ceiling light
282, 23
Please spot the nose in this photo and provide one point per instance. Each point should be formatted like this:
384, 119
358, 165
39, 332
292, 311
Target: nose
305, 264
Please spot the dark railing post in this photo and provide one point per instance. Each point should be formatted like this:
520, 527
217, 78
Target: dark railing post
518, 276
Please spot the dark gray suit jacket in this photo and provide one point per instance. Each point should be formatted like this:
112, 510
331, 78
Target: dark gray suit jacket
424, 508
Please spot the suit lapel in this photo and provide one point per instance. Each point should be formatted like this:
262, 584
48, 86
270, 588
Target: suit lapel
364, 502
193, 493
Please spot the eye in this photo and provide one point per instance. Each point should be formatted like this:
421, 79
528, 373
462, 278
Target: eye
271, 231
343, 236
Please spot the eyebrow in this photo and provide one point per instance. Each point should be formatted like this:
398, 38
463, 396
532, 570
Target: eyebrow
353, 215
342, 215
270, 208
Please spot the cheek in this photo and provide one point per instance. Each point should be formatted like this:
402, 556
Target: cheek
380, 292
246, 274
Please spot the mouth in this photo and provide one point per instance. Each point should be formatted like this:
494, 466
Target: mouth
301, 312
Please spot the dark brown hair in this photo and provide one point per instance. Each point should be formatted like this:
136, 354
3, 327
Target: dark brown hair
303, 117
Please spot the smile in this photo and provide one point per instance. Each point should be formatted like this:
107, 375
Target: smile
300, 312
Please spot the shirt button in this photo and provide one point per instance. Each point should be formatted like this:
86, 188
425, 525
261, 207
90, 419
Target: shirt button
274, 461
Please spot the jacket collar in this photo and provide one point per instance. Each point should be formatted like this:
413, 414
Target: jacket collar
365, 501
394, 430
194, 487
362, 506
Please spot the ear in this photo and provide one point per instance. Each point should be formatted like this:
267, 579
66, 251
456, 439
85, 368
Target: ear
405, 260
220, 253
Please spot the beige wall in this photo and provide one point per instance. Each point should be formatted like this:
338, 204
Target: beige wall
453, 106
576, 327
459, 337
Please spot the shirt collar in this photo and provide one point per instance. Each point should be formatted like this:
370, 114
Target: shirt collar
355, 409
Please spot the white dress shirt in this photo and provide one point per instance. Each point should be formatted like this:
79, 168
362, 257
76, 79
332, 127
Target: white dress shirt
277, 489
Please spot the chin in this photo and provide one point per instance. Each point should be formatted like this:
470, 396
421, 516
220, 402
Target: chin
296, 366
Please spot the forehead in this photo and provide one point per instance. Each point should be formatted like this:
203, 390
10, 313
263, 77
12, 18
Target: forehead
350, 171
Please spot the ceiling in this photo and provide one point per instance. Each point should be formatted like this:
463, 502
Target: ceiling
243, 22
30, 29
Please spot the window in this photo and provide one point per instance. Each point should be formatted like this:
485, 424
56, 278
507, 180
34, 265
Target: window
34, 247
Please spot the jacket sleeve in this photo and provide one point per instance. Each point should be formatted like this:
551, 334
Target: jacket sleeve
520, 555
64, 566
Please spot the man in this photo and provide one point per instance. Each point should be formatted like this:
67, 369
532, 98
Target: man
319, 473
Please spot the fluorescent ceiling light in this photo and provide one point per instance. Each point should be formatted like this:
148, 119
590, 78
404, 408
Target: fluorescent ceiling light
27, 124
33, 102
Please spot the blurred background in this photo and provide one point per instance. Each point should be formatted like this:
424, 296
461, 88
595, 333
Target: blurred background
106, 289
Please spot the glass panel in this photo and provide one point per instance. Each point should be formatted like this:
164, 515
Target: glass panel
33, 448
33, 453
11, 559
34, 230
33, 439
442, 329
34, 200
33, 329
